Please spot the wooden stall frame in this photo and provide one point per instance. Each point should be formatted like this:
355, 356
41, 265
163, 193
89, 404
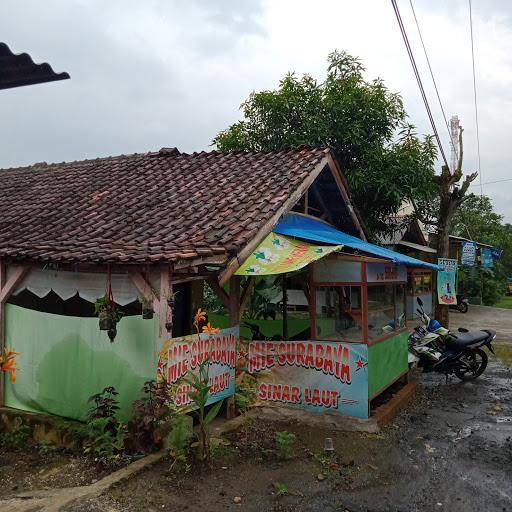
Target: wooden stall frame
363, 284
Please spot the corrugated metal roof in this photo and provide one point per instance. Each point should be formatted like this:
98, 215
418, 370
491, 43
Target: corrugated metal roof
17, 70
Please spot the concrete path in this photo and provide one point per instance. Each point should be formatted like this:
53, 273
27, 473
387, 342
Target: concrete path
55, 500
484, 317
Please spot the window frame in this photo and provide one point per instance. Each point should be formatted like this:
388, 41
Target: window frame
313, 285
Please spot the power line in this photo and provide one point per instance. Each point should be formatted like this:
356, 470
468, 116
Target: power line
474, 95
418, 79
490, 182
433, 80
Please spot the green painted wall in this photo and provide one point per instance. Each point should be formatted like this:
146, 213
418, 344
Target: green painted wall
386, 361
64, 360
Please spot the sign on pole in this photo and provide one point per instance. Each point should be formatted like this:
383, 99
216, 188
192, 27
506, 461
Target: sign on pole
446, 293
468, 254
486, 255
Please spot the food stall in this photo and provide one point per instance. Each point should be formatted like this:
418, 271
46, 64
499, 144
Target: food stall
357, 344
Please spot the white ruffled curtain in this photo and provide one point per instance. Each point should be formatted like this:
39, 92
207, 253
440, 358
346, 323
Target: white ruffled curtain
90, 286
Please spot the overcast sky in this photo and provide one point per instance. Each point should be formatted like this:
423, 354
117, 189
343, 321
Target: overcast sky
154, 73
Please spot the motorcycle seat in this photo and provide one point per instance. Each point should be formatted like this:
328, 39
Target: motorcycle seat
464, 339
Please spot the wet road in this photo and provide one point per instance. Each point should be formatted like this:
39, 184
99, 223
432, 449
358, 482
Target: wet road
453, 452
484, 317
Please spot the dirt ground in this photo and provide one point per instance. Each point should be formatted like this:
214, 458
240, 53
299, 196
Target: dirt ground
34, 468
451, 449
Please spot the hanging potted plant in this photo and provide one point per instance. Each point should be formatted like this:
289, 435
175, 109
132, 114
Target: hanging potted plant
171, 299
109, 315
147, 307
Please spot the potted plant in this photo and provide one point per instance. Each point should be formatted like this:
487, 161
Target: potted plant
171, 299
109, 315
147, 307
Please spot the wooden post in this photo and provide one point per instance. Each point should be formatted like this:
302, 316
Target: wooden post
3, 279
7, 286
165, 312
234, 320
285, 307
246, 295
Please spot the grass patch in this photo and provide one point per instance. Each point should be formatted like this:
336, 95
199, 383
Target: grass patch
504, 353
504, 302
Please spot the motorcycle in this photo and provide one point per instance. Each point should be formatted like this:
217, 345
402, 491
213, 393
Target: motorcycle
462, 304
434, 348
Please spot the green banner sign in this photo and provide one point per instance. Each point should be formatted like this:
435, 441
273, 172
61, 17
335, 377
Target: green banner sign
278, 254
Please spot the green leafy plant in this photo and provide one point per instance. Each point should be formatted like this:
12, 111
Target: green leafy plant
332, 466
105, 403
17, 437
104, 434
45, 448
200, 384
105, 438
179, 437
150, 422
109, 315
281, 489
221, 449
147, 307
285, 441
200, 391
384, 161
171, 299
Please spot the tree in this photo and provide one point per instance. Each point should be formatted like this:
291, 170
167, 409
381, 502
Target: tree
366, 125
477, 220
449, 193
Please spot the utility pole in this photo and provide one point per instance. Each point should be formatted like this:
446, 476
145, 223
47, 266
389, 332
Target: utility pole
454, 135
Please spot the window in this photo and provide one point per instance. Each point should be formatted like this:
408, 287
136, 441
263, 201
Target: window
422, 282
381, 310
386, 309
338, 313
400, 305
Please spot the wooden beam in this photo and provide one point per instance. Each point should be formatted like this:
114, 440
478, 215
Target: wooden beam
164, 311
19, 273
235, 262
3, 279
219, 291
145, 288
7, 286
338, 177
234, 301
217, 260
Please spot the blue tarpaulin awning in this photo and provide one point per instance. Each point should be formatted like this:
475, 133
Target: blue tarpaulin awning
309, 228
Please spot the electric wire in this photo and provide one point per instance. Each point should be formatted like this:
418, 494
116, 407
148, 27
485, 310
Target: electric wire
434, 80
474, 94
418, 79
490, 182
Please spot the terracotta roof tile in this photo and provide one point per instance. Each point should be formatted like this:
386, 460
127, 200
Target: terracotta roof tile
153, 207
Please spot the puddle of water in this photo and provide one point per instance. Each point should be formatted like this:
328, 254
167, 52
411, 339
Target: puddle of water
504, 353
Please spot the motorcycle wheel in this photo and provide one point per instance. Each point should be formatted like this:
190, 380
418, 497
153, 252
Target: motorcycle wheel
475, 364
463, 307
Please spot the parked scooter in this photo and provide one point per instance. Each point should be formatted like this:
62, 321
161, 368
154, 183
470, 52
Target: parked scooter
434, 348
462, 304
